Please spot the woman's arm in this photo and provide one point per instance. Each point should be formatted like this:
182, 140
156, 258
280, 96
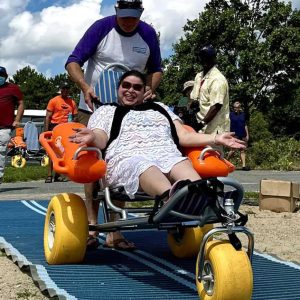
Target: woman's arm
94, 138
193, 139
247, 133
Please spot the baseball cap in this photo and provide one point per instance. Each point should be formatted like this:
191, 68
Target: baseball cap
207, 52
65, 85
3, 71
187, 85
129, 8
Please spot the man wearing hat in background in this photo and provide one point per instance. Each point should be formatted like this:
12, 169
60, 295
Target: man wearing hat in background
212, 92
123, 39
187, 89
187, 108
60, 109
11, 97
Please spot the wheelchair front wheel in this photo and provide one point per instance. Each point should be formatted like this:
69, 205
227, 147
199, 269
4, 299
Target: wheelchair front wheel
18, 161
186, 242
65, 230
227, 273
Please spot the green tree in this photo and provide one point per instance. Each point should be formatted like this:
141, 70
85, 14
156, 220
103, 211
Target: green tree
58, 79
258, 43
36, 88
284, 117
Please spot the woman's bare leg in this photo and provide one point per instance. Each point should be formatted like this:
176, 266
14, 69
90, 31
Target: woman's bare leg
184, 170
113, 236
92, 206
153, 182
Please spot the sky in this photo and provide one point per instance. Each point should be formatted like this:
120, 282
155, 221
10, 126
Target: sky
43, 33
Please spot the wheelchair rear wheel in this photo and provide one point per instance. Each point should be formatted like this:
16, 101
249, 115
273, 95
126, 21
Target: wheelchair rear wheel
18, 161
66, 230
45, 161
186, 242
227, 273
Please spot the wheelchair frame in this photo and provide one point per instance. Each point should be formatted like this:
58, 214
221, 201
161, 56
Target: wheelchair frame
66, 228
139, 223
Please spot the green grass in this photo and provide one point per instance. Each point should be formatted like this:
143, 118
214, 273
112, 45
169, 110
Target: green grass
28, 173
251, 198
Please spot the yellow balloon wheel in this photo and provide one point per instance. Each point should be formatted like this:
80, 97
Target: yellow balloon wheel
65, 230
45, 161
228, 273
18, 161
12, 160
187, 242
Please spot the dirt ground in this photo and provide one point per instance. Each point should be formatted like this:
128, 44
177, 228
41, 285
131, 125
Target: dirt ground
15, 284
275, 233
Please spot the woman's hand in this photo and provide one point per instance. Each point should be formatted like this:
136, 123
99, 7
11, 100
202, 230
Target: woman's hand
227, 139
83, 136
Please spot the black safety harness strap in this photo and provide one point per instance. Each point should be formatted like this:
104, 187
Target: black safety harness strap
121, 112
158, 202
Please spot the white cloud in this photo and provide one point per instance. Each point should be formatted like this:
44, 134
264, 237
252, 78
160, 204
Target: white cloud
8, 9
169, 17
47, 37
37, 38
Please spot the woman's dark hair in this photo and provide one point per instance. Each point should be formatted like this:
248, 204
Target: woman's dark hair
132, 73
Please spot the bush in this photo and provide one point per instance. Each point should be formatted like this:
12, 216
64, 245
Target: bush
279, 154
258, 127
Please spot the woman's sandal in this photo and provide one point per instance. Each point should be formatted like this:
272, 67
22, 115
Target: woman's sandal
48, 179
92, 243
120, 244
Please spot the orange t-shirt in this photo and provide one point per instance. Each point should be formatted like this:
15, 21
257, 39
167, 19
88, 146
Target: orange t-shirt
61, 108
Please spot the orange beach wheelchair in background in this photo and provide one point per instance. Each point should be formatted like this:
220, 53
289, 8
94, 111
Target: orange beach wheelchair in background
20, 152
223, 268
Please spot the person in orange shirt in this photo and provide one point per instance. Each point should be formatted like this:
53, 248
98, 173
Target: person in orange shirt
60, 109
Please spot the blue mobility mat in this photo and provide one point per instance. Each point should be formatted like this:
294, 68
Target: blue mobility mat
151, 272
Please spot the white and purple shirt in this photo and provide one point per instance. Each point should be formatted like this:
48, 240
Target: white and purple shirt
104, 43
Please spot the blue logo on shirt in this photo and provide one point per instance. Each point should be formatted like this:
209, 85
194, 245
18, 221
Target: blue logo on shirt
139, 50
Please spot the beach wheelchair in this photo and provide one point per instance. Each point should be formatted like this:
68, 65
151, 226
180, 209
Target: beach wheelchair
25, 146
223, 267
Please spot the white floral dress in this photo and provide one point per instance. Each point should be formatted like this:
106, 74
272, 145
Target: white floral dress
144, 140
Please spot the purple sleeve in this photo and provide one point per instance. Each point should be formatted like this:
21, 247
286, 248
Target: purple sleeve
148, 34
88, 44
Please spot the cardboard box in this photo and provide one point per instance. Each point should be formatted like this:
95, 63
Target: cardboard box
278, 196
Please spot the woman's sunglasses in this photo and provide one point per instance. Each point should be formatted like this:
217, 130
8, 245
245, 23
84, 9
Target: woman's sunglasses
136, 86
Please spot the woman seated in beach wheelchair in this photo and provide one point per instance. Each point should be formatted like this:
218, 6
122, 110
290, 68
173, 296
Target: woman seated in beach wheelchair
142, 145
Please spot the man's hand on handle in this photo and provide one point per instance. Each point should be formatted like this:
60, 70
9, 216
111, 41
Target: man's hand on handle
89, 96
